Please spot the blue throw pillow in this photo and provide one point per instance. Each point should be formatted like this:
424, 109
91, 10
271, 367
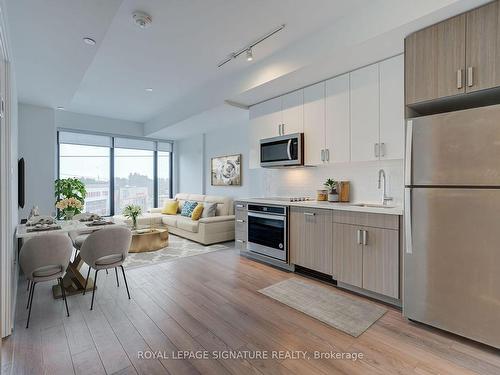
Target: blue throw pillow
188, 208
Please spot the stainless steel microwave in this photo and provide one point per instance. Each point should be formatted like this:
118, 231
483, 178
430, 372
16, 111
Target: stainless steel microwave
283, 151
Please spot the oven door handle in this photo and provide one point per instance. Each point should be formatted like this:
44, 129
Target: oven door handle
267, 216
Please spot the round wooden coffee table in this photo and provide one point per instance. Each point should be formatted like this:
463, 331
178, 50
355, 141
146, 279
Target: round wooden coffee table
148, 240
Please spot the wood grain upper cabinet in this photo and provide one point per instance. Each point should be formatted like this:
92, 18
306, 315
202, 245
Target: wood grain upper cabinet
314, 123
435, 61
381, 261
293, 112
311, 239
483, 47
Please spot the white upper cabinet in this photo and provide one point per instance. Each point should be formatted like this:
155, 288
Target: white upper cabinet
292, 105
337, 140
314, 124
365, 113
392, 108
265, 121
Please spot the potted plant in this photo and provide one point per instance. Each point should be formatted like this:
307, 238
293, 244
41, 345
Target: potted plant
69, 188
132, 211
331, 185
69, 207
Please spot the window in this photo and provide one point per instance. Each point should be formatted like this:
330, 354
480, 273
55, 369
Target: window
134, 178
91, 165
139, 170
164, 177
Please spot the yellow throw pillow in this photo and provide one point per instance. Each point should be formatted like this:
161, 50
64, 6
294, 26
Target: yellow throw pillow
197, 212
170, 208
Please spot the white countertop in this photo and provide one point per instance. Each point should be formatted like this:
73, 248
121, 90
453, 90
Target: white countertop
391, 210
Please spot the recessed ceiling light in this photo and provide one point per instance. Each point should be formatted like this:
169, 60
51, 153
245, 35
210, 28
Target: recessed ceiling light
148, 89
60, 108
89, 41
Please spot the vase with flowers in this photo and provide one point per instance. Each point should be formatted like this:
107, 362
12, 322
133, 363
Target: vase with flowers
132, 211
68, 207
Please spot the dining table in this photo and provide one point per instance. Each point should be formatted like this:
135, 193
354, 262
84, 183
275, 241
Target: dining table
73, 280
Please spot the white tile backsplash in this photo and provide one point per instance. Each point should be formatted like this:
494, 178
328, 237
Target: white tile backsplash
305, 181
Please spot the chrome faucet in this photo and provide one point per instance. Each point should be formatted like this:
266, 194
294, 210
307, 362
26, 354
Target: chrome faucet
385, 198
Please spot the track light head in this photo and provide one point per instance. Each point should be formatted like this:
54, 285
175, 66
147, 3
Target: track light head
249, 54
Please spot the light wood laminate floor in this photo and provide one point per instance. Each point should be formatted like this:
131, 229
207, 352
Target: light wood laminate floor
210, 303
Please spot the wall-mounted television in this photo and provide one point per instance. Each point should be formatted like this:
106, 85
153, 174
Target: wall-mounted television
21, 190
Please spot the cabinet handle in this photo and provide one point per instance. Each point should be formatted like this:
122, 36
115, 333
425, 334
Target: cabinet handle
282, 129
382, 150
365, 237
327, 152
309, 213
240, 221
470, 76
377, 150
240, 206
459, 79
323, 155
359, 236
240, 241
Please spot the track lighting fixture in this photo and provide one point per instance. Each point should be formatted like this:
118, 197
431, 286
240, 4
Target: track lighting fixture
249, 54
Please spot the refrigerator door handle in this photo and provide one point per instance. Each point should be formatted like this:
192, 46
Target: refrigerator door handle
407, 219
408, 156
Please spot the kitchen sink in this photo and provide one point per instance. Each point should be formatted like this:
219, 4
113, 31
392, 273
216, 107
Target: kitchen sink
374, 205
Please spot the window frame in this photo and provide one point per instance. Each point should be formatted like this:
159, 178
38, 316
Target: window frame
112, 147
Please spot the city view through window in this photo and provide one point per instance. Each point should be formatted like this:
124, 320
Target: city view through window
134, 177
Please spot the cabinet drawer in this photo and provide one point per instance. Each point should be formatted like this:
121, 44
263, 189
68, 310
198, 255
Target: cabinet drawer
239, 206
241, 225
367, 219
241, 214
240, 243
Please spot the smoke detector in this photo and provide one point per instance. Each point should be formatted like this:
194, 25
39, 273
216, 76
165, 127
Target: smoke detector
142, 19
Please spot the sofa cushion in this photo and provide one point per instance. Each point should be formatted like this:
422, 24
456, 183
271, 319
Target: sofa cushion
198, 210
170, 208
170, 220
185, 223
224, 204
209, 209
188, 208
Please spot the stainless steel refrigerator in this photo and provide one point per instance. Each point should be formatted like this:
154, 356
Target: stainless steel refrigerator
452, 223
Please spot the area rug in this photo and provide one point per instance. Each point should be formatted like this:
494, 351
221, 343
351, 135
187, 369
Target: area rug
324, 303
177, 248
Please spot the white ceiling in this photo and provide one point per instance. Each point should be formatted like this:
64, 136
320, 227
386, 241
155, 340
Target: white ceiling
177, 54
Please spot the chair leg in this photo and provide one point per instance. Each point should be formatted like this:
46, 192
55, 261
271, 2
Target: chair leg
107, 272
29, 285
117, 282
93, 290
86, 282
30, 303
63, 291
29, 295
124, 278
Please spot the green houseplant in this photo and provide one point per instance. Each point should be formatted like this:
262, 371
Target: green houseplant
331, 185
69, 191
132, 211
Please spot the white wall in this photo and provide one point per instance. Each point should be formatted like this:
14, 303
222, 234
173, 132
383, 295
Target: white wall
189, 164
37, 145
223, 142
